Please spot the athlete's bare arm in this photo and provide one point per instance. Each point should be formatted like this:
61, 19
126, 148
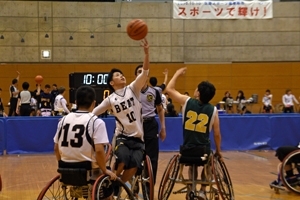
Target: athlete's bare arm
170, 89
100, 158
104, 106
217, 133
140, 81
161, 116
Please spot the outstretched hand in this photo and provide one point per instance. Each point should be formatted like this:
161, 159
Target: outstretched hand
181, 71
144, 43
165, 71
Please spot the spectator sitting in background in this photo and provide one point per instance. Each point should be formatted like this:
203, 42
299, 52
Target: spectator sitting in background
288, 101
171, 112
228, 102
267, 101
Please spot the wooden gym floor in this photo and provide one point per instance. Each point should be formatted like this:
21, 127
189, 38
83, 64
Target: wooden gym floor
251, 172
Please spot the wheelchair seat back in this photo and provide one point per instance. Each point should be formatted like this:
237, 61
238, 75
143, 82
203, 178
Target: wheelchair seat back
75, 173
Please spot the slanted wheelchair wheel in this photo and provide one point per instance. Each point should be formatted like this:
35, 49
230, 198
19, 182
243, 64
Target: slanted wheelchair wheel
54, 190
169, 178
222, 179
147, 180
291, 162
104, 187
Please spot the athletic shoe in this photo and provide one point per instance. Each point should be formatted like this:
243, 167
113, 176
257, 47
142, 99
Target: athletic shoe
202, 195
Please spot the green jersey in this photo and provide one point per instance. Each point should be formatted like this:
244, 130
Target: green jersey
197, 119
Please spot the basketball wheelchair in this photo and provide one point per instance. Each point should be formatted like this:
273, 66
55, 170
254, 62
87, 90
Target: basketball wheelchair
291, 183
215, 177
73, 183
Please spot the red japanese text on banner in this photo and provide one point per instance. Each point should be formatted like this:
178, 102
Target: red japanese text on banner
223, 9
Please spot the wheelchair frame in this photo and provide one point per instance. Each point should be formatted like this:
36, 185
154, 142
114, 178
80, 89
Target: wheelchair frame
217, 179
60, 191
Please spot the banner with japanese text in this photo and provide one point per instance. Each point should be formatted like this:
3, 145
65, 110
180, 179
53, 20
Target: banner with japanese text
204, 9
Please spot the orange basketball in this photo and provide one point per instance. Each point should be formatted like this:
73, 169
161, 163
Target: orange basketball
39, 79
137, 29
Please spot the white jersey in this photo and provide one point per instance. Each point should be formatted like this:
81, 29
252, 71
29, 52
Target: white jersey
127, 109
288, 100
267, 100
76, 135
60, 104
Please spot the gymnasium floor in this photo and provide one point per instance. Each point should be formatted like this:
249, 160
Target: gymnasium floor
251, 172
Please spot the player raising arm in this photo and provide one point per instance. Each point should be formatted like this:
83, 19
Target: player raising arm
125, 105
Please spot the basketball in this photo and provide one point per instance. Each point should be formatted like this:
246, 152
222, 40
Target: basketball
38, 79
137, 29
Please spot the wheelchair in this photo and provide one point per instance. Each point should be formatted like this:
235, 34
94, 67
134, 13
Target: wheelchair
73, 182
216, 175
141, 186
291, 183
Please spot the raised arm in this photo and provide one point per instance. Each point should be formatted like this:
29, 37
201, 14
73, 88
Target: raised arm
170, 89
18, 77
142, 78
166, 76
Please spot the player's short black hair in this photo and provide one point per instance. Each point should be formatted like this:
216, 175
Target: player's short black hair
0, 89
14, 81
25, 86
61, 90
85, 96
153, 81
136, 69
47, 86
110, 77
268, 90
54, 85
207, 91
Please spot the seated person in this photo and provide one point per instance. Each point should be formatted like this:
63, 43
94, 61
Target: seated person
288, 101
124, 103
81, 136
171, 112
281, 153
228, 105
241, 99
267, 101
195, 109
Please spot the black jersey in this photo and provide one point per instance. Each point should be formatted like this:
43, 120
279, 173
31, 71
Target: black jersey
45, 101
197, 124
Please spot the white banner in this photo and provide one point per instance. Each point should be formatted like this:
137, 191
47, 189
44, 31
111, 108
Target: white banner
223, 9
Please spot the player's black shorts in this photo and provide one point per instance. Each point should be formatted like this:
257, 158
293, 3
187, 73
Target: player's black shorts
267, 108
130, 151
193, 154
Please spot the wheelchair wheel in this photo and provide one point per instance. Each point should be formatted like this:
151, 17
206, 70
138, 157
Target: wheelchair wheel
291, 162
104, 187
169, 178
54, 190
147, 180
222, 179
